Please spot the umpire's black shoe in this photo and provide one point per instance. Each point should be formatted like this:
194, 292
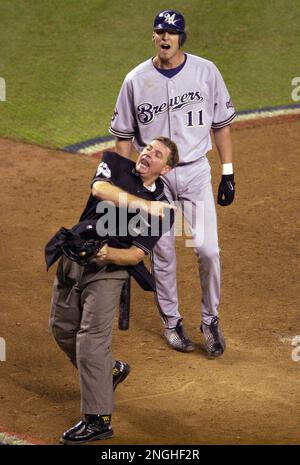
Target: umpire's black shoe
120, 372
214, 338
176, 339
93, 427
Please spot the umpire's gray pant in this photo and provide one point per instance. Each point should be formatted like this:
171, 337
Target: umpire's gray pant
83, 305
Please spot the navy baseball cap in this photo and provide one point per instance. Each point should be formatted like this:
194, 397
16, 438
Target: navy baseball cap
168, 20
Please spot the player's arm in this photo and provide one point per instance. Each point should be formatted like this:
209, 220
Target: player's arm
123, 257
106, 191
223, 143
124, 147
123, 125
223, 114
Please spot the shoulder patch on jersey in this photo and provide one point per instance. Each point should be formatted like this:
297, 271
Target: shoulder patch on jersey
115, 115
229, 104
104, 170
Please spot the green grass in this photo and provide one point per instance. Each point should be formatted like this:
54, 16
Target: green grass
64, 61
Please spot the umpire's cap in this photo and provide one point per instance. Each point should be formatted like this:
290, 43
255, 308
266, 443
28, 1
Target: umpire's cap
168, 20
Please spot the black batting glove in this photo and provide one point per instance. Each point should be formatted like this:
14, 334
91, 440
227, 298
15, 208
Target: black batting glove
226, 190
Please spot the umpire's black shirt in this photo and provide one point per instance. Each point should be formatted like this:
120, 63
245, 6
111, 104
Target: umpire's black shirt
121, 173
129, 228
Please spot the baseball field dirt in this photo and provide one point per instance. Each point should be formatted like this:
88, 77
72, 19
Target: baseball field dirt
250, 395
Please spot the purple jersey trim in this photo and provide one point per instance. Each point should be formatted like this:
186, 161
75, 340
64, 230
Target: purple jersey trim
122, 135
223, 123
169, 73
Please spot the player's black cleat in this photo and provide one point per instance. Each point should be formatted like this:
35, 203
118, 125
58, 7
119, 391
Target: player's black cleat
214, 338
120, 372
92, 428
176, 339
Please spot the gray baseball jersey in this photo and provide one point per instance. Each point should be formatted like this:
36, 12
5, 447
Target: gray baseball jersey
184, 108
196, 100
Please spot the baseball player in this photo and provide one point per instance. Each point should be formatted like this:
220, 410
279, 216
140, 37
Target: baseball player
183, 97
84, 298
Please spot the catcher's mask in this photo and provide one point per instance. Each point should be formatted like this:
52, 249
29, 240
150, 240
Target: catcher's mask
82, 251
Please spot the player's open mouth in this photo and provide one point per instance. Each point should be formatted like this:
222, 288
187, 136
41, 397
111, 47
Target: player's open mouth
165, 46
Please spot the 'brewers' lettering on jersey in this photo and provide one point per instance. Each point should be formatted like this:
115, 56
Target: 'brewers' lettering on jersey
146, 112
196, 99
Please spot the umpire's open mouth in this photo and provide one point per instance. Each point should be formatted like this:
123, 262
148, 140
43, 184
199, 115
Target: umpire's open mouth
144, 161
143, 164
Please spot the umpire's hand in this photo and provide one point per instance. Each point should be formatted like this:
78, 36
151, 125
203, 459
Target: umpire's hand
226, 190
157, 208
103, 254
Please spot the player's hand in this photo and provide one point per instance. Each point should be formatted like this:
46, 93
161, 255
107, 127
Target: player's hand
226, 190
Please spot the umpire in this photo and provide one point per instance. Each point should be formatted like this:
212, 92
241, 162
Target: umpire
84, 298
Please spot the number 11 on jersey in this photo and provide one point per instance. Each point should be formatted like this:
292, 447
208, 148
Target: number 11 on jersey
195, 118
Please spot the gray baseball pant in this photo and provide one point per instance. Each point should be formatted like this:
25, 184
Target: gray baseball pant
83, 305
190, 185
